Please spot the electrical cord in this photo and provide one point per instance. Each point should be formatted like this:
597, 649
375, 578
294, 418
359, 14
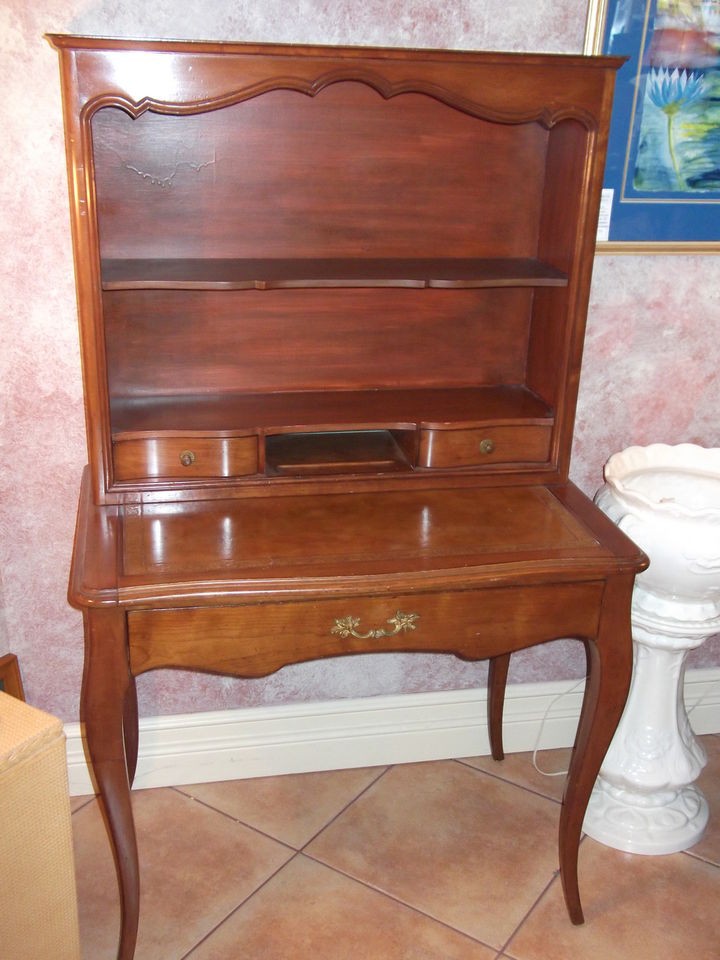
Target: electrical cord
561, 773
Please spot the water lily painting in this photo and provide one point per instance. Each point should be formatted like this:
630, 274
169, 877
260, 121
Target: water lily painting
679, 138
663, 169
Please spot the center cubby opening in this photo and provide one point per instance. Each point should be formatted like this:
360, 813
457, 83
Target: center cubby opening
326, 453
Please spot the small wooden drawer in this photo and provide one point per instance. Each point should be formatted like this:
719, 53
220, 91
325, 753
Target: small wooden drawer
256, 639
176, 458
484, 445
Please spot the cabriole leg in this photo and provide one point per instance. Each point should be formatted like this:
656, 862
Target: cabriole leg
130, 729
497, 681
107, 709
608, 681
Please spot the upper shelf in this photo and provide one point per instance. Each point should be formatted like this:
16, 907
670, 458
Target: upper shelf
275, 274
327, 410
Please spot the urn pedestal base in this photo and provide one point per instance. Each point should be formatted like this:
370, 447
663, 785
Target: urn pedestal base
644, 801
668, 500
664, 822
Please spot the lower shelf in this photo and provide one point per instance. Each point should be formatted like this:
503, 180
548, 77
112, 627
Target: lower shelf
309, 411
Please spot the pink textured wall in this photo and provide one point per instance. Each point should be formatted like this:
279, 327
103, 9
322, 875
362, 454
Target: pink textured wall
649, 374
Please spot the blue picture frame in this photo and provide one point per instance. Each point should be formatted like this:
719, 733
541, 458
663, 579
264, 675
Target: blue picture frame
662, 176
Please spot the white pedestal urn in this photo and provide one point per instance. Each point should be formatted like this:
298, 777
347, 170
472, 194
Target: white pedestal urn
667, 499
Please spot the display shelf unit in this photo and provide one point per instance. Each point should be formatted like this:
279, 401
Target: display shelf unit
391, 250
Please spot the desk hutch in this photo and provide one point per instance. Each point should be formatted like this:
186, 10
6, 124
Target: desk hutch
332, 305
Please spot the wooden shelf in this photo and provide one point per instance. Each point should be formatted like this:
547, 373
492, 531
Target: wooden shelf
279, 274
232, 414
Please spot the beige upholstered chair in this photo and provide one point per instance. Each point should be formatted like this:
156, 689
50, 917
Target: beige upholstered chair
38, 903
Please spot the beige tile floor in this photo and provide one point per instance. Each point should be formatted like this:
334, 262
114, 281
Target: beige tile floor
451, 860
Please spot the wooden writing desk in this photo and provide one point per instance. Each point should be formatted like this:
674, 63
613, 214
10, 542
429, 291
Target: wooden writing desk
244, 587
332, 304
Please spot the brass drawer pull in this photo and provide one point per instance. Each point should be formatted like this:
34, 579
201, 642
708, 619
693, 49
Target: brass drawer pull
487, 445
187, 458
347, 626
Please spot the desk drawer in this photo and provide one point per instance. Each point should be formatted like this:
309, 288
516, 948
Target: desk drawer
258, 638
485, 445
184, 457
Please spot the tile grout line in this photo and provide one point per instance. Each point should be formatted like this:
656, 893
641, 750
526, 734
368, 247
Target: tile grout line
528, 914
240, 905
192, 799
396, 899
88, 800
501, 952
292, 850
347, 806
302, 851
231, 818
296, 852
269, 836
701, 858
512, 783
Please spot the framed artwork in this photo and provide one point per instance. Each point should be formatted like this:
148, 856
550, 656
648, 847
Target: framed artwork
10, 680
662, 178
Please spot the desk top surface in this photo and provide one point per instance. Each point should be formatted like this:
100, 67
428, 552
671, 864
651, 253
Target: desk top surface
205, 551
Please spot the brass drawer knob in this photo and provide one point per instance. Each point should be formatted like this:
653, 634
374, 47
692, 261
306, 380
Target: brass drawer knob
187, 458
487, 445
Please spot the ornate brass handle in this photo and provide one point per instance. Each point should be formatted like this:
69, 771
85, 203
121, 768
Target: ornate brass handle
187, 458
487, 445
347, 626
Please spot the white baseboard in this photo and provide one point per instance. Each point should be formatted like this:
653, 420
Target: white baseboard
268, 741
